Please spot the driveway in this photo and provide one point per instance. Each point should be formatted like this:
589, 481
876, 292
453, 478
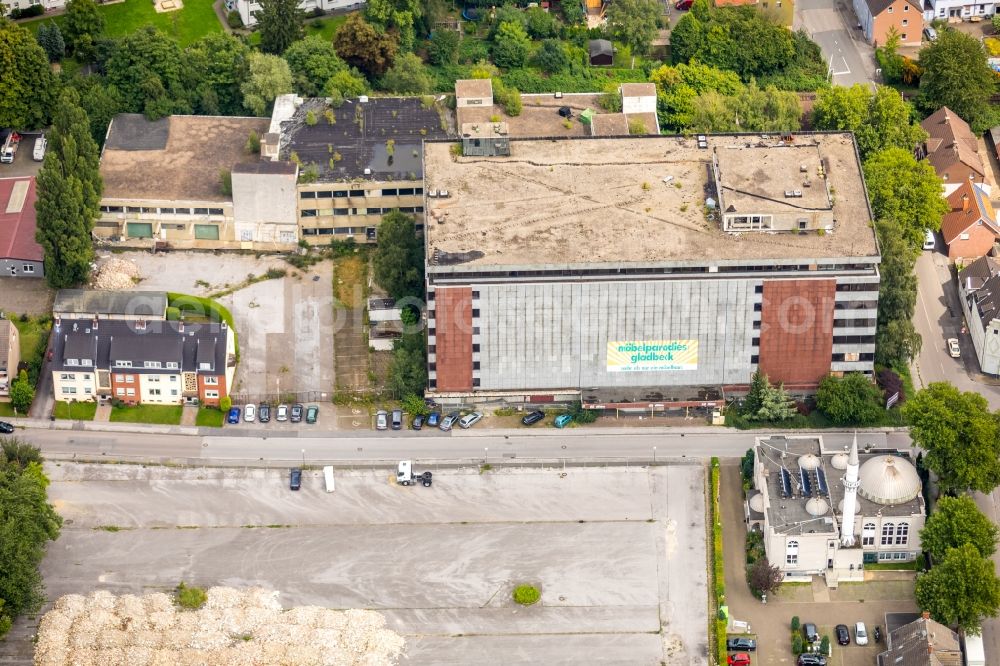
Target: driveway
938, 316
30, 296
831, 24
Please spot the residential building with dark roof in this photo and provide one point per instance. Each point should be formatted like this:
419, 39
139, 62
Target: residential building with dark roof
156, 362
922, 642
10, 356
20, 254
970, 228
952, 149
878, 19
979, 289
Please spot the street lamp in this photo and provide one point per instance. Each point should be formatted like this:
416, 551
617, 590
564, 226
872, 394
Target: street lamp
303, 457
654, 454
486, 452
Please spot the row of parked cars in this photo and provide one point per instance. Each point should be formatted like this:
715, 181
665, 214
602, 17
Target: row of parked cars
262, 413
383, 421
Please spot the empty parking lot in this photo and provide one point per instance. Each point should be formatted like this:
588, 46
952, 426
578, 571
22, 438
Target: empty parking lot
619, 554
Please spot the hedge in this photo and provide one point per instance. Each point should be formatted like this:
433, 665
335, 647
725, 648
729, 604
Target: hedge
196, 308
719, 624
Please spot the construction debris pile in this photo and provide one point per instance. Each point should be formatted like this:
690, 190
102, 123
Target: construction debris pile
116, 273
234, 627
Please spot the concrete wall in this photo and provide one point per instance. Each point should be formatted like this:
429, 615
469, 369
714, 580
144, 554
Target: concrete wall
639, 104
265, 207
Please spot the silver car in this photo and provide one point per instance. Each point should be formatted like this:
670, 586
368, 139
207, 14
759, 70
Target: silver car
282, 413
381, 420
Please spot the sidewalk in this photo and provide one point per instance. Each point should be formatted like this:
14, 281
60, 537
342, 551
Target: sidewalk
92, 426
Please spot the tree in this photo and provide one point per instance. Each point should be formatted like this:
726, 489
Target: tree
442, 49
83, 28
905, 191
397, 16
541, 24
26, 81
408, 367
764, 578
69, 195
955, 522
897, 343
511, 45
741, 39
100, 100
51, 40
898, 290
279, 23
572, 13
959, 434
776, 405
150, 73
677, 89
22, 393
552, 56
218, 64
850, 400
399, 258
879, 120
362, 46
269, 77
635, 23
408, 75
313, 61
346, 83
751, 109
759, 385
960, 590
956, 75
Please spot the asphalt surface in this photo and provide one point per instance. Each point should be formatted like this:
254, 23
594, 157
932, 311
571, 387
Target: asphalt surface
831, 24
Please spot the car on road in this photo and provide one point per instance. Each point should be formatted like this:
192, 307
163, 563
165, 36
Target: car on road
234, 416
448, 421
860, 633
312, 414
532, 418
562, 420
683, 5
418, 422
381, 420
470, 420
397, 419
742, 644
930, 34
434, 419
739, 659
6, 428
953, 349
296, 413
250, 413
295, 479
811, 659
264, 412
843, 635
282, 413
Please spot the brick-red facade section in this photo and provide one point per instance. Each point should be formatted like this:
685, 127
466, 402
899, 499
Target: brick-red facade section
124, 384
796, 332
453, 331
202, 387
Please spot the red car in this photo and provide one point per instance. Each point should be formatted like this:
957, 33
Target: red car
739, 659
683, 5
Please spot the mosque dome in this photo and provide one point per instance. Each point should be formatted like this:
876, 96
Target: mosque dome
839, 460
809, 461
757, 503
817, 506
889, 480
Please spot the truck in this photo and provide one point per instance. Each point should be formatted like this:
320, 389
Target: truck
406, 477
9, 147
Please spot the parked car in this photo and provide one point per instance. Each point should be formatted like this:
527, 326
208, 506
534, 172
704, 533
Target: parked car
809, 631
562, 420
953, 349
434, 419
6, 428
296, 413
282, 414
930, 34
742, 643
250, 413
929, 242
448, 421
533, 417
397, 419
860, 633
811, 659
470, 420
312, 414
295, 479
418, 422
41, 143
739, 659
234, 416
381, 420
264, 412
843, 635
683, 5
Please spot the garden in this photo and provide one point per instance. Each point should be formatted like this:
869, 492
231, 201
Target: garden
149, 414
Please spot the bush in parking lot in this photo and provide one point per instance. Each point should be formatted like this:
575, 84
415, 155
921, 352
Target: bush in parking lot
824, 646
225, 403
797, 644
526, 594
795, 623
414, 405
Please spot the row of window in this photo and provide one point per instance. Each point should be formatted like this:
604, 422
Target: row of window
858, 286
340, 212
898, 535
170, 365
85, 362
153, 210
71, 390
340, 194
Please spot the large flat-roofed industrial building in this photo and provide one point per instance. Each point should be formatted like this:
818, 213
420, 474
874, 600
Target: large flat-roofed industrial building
646, 271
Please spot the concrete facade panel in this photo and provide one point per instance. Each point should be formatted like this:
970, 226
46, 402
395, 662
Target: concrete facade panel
796, 339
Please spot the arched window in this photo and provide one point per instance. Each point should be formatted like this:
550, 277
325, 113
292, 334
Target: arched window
902, 534
887, 532
868, 534
792, 552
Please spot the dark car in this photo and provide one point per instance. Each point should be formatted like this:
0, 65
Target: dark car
234, 416
295, 479
434, 419
533, 417
811, 659
742, 644
397, 419
296, 413
312, 414
418, 422
809, 631
683, 5
6, 428
264, 412
843, 635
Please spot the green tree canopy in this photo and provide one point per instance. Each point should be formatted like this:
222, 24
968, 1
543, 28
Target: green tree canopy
751, 109
100, 100
541, 23
879, 120
408, 367
313, 62
956, 75
396, 16
960, 435
50, 38
850, 400
269, 77
955, 522
218, 64
26, 82
279, 23
408, 75
399, 258
961, 589
552, 56
511, 45
69, 194
22, 393
442, 49
149, 70
364, 47
740, 39
678, 87
906, 192
83, 27
896, 340
635, 23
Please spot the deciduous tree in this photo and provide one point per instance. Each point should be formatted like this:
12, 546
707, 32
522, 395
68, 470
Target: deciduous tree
850, 400
100, 100
442, 49
956, 75
905, 191
83, 28
150, 73
960, 590
511, 45
552, 56
279, 23
399, 258
22, 393
879, 120
398, 16
313, 61
408, 75
26, 81
541, 23
955, 522
218, 64
408, 367
764, 578
269, 77
364, 47
635, 23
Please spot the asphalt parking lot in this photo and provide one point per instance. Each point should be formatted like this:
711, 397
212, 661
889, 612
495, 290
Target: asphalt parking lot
619, 554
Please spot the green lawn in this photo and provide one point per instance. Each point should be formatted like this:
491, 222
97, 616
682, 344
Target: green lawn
326, 27
34, 339
196, 19
159, 414
75, 411
6, 409
211, 417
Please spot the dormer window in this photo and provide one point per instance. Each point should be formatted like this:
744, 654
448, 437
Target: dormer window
72, 361
204, 366
153, 364
86, 362
172, 365
123, 364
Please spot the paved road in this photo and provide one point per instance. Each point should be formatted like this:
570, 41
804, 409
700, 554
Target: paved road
938, 316
831, 24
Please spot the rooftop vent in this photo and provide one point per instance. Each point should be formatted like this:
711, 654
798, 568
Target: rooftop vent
363, 99
803, 168
368, 172
793, 194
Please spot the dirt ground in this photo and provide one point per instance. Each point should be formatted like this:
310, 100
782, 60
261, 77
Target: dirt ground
350, 280
25, 296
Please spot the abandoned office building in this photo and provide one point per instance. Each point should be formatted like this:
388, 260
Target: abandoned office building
647, 271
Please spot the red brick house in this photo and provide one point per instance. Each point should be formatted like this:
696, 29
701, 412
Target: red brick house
970, 229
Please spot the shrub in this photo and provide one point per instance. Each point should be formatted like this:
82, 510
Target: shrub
797, 644
226, 181
890, 382
234, 20
526, 594
849, 400
252, 146
795, 623
824, 646
191, 598
225, 403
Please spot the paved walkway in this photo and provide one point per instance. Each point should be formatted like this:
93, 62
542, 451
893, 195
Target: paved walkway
189, 415
103, 413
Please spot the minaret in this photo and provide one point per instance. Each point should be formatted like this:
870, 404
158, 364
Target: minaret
851, 484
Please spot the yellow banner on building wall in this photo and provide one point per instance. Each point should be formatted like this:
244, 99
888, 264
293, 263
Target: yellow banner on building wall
652, 355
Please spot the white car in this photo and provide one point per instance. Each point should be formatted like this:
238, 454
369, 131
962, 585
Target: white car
40, 144
860, 634
249, 414
953, 349
381, 420
470, 420
282, 413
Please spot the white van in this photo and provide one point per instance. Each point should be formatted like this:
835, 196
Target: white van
40, 144
929, 242
328, 478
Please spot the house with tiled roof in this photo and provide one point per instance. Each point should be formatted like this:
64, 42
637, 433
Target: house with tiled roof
922, 642
979, 288
970, 228
952, 149
20, 254
878, 18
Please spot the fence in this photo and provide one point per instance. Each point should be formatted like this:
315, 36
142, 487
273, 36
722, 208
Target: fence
285, 396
